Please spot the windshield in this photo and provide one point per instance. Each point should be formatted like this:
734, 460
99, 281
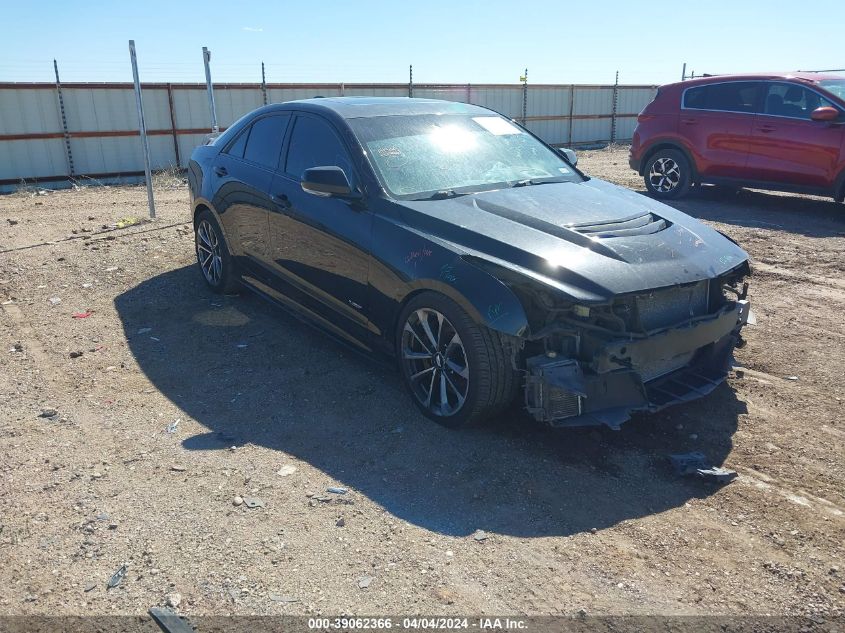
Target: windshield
422, 156
835, 86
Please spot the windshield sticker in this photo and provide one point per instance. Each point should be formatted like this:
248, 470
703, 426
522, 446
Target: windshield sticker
389, 151
563, 170
496, 125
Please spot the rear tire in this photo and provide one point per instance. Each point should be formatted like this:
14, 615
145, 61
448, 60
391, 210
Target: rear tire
458, 372
668, 174
216, 264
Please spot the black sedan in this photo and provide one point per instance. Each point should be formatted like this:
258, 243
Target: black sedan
483, 260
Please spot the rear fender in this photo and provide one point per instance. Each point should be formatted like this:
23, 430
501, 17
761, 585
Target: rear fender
201, 204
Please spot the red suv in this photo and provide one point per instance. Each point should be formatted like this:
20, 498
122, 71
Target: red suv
780, 132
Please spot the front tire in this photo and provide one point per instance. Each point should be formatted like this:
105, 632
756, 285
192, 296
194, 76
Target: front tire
215, 262
459, 372
668, 174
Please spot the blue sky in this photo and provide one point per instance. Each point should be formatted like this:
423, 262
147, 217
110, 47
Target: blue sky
446, 41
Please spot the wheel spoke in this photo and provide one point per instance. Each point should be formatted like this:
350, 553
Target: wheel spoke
457, 391
422, 373
444, 399
430, 389
422, 315
410, 329
440, 320
412, 355
463, 372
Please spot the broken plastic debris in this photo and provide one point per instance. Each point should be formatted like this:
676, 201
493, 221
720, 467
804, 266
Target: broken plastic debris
169, 621
144, 330
364, 581
81, 315
173, 426
114, 581
480, 535
253, 502
122, 223
55, 300
279, 598
697, 464
337, 491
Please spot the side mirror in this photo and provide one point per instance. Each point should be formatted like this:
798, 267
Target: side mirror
825, 113
569, 155
327, 182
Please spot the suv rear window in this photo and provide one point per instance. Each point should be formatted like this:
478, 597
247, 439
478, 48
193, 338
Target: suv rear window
734, 96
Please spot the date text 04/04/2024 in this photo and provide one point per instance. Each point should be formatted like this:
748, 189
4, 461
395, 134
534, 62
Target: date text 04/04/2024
415, 623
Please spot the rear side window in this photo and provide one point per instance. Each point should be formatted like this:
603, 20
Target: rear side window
314, 143
265, 140
237, 148
734, 96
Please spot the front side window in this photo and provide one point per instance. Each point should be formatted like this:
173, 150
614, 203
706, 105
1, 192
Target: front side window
790, 100
415, 156
834, 86
732, 96
265, 140
313, 143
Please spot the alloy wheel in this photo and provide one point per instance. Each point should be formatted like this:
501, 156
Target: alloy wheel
435, 362
664, 175
208, 252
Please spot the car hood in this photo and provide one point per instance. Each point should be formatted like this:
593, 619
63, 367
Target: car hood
534, 230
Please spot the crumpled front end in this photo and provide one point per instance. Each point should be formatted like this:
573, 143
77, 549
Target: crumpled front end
643, 352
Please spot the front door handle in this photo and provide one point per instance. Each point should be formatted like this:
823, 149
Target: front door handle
282, 200
689, 121
221, 171
767, 128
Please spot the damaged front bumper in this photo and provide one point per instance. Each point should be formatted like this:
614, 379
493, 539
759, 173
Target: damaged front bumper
647, 374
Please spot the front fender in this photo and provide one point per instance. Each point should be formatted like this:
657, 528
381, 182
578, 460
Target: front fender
486, 299
410, 262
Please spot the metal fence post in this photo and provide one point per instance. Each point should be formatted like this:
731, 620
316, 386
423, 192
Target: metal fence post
263, 85
411, 80
68, 153
173, 124
524, 80
571, 109
206, 60
469, 93
614, 109
145, 144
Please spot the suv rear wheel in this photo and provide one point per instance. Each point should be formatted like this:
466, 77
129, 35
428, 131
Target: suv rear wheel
668, 174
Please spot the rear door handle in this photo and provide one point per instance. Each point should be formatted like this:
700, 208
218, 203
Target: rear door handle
767, 128
689, 121
220, 170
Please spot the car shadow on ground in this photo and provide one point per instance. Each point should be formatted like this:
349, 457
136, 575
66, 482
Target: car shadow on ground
812, 217
251, 374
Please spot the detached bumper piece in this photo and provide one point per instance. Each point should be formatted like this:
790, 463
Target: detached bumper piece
566, 392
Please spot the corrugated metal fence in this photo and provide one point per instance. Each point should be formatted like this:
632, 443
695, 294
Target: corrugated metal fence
98, 135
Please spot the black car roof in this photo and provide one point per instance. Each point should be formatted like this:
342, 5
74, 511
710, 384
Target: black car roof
361, 107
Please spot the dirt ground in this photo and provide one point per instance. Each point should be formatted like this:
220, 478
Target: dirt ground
273, 413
